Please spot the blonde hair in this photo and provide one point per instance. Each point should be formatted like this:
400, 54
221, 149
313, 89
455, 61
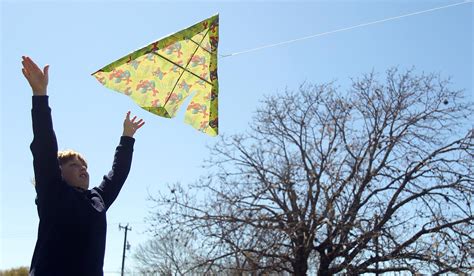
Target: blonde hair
65, 156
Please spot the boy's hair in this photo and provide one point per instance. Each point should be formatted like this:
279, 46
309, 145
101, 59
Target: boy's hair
63, 157
66, 155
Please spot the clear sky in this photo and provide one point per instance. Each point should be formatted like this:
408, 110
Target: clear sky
77, 38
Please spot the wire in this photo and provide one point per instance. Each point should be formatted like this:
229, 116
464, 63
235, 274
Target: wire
345, 29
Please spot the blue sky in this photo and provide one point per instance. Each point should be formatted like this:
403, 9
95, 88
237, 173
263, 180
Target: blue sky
77, 38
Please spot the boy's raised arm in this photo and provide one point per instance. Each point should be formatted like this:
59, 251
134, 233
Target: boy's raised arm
114, 180
44, 146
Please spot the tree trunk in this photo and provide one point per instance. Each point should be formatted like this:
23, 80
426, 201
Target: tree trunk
323, 269
300, 265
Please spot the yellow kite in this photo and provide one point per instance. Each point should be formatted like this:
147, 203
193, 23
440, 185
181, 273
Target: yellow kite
160, 76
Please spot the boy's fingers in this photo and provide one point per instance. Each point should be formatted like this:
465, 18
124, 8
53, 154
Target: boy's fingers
26, 64
133, 120
46, 70
139, 122
25, 73
33, 64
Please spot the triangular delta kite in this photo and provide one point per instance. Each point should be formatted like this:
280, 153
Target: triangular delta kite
160, 76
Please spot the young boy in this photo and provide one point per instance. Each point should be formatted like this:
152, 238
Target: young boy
72, 225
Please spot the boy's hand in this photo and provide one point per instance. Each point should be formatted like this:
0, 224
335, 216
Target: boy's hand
130, 126
37, 78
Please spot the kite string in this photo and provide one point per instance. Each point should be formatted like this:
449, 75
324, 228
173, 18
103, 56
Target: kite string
345, 29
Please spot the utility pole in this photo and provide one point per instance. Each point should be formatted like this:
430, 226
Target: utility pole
126, 228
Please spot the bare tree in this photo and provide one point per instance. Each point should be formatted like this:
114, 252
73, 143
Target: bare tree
168, 253
376, 179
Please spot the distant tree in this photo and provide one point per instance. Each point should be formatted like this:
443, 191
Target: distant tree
376, 179
19, 271
168, 253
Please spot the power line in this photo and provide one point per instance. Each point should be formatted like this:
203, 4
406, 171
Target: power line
345, 29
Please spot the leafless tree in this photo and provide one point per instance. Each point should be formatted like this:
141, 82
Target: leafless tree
378, 178
169, 253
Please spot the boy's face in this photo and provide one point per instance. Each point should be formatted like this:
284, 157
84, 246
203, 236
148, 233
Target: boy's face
74, 172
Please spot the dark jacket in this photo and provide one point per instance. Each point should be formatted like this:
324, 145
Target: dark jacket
72, 223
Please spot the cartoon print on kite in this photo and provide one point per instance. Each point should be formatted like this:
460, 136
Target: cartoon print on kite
198, 60
214, 42
177, 67
185, 86
119, 75
201, 81
213, 75
174, 48
128, 91
150, 57
155, 103
212, 27
101, 79
207, 47
213, 95
196, 108
214, 123
134, 63
146, 85
172, 68
203, 126
158, 73
175, 98
210, 96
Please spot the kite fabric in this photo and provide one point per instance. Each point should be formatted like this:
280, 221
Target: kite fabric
160, 76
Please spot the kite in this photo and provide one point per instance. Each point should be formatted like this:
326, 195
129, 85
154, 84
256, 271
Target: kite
160, 76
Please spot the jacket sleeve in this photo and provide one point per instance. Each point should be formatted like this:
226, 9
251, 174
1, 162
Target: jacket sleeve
112, 182
44, 149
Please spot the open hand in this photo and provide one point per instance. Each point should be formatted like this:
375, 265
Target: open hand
130, 126
37, 78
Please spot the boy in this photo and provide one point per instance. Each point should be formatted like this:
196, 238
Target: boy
72, 226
